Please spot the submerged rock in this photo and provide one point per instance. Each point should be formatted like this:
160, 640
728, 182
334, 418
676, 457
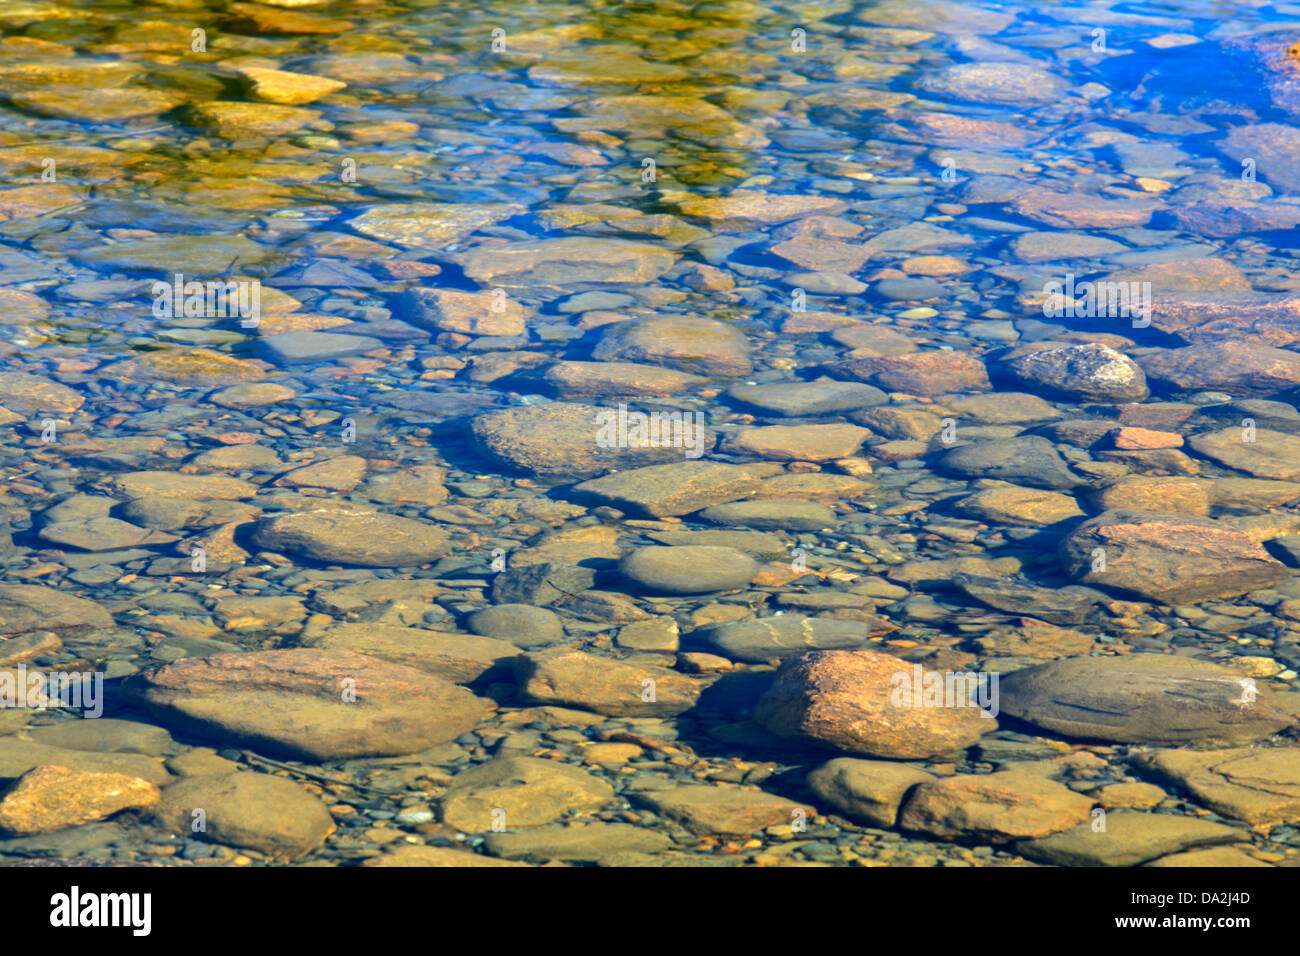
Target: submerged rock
356, 538
1129, 839
698, 346
993, 808
667, 490
1008, 84
558, 263
518, 792
780, 636
571, 440
1259, 786
50, 798
1030, 460
308, 704
605, 685
258, 811
1144, 699
692, 569
724, 811
1173, 559
1090, 373
918, 373
846, 700
868, 790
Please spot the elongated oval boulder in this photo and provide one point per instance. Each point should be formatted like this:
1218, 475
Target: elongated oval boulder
993, 807
1144, 699
691, 569
529, 792
1091, 372
341, 537
1173, 559
1027, 460
258, 811
849, 700
308, 704
784, 635
695, 345
604, 685
30, 607
49, 798
567, 440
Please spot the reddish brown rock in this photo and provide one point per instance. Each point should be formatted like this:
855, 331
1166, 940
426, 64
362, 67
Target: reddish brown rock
745, 207
343, 473
1244, 369
1143, 439
1226, 220
873, 341
309, 704
35, 394
847, 700
470, 313
408, 855
1173, 559
675, 489
1268, 319
919, 373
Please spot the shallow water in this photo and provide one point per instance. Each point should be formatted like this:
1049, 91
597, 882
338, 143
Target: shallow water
476, 248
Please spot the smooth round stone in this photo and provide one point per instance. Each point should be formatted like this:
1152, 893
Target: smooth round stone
690, 569
795, 399
777, 513
588, 301
520, 624
909, 289
367, 540
825, 283
783, 635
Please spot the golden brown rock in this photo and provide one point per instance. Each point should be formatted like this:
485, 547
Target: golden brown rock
853, 701
49, 798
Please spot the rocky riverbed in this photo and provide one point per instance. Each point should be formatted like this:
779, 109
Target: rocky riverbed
725, 434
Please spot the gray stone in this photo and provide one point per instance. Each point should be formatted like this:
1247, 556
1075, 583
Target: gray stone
1143, 699
688, 570
868, 790
520, 624
1129, 839
1030, 460
783, 635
